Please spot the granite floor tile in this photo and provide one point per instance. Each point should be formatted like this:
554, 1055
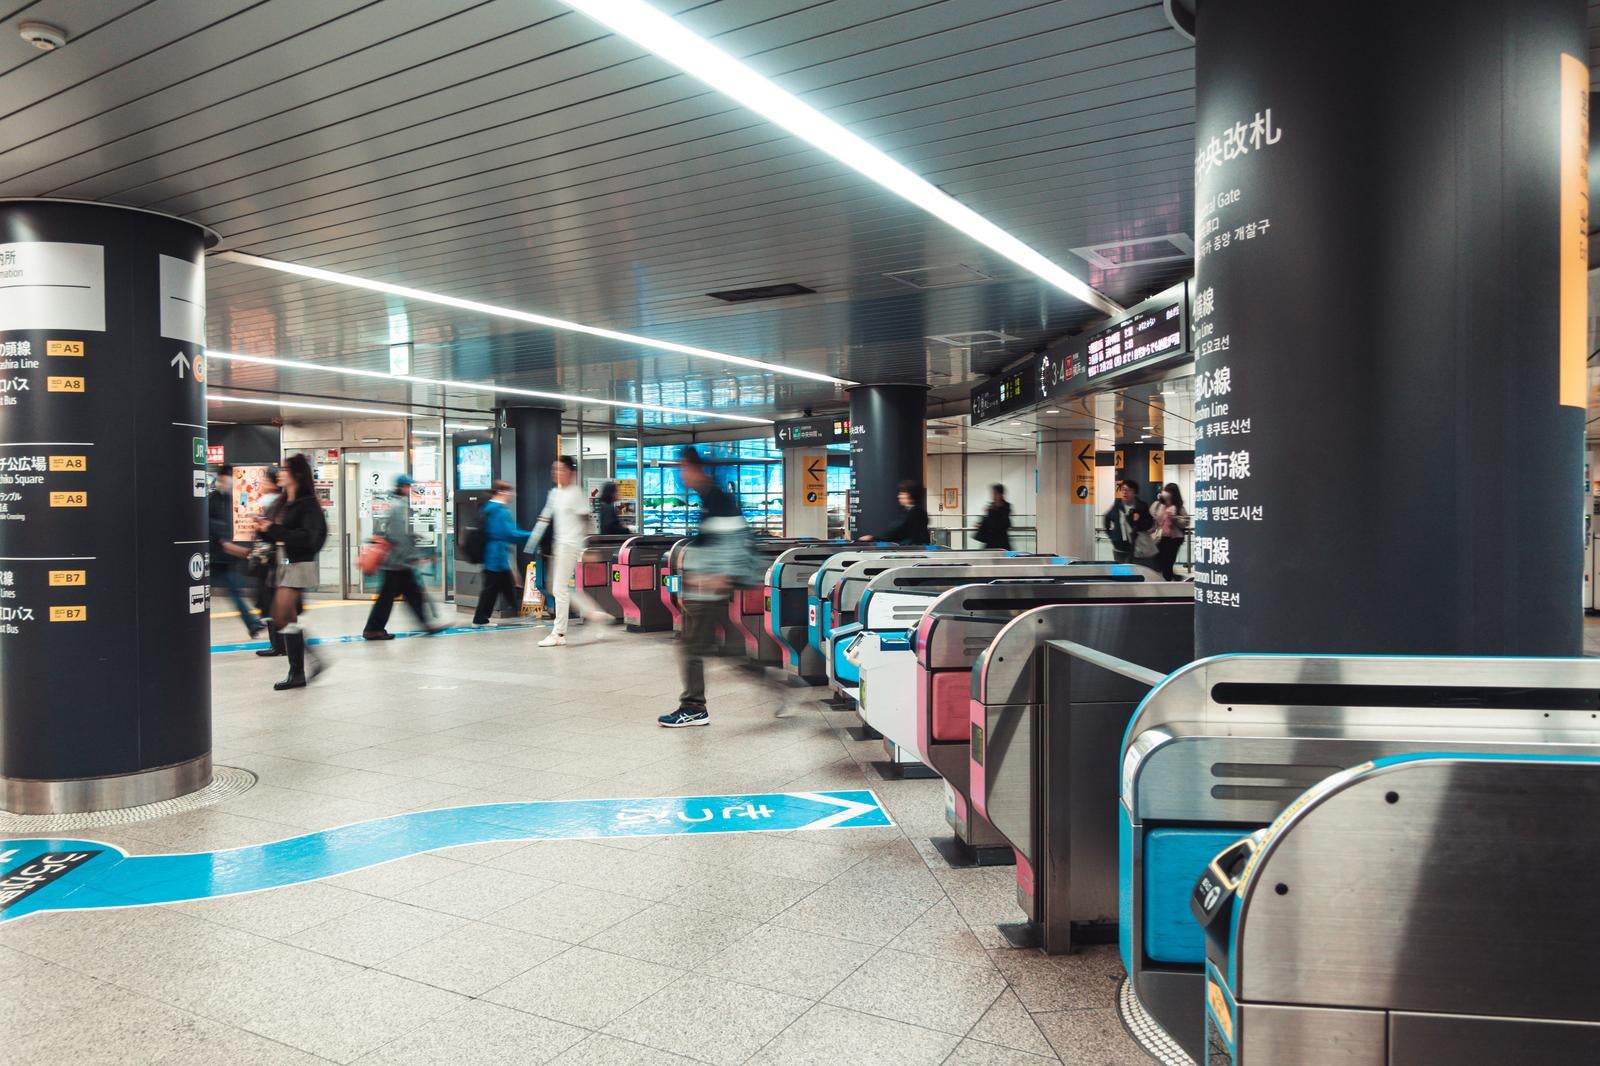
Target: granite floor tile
828, 1035
1089, 978
1091, 1038
280, 912
673, 935
709, 1019
942, 933
870, 918
473, 958
747, 894
788, 960
569, 913
602, 1050
479, 1032
584, 987
380, 930
932, 993
475, 891
1009, 1024
977, 1053
352, 1017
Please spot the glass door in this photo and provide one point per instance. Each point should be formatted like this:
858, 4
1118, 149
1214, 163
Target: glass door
368, 481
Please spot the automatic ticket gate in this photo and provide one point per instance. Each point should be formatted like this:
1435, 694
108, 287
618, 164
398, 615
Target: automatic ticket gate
880, 646
745, 631
823, 594
669, 581
633, 578
594, 571
1417, 910
1224, 746
785, 610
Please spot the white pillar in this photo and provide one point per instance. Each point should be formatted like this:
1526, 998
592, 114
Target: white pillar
800, 518
1066, 519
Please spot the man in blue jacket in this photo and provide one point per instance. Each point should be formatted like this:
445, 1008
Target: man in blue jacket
500, 539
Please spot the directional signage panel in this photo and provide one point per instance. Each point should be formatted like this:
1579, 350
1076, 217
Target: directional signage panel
46, 874
811, 432
814, 482
1083, 472
1015, 390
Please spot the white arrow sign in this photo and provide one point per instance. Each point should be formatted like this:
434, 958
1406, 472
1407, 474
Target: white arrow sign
848, 809
180, 361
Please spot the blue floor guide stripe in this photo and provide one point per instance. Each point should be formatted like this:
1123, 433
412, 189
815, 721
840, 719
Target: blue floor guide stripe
47, 874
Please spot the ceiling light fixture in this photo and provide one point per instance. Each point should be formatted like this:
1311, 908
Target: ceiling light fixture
423, 296
262, 401
669, 39
476, 386
1053, 411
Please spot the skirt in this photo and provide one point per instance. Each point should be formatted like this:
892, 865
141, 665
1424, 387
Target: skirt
298, 576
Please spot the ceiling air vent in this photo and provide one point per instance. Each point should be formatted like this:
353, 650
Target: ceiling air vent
760, 292
939, 277
1141, 250
974, 339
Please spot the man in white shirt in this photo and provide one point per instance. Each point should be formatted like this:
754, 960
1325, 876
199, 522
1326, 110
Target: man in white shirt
567, 512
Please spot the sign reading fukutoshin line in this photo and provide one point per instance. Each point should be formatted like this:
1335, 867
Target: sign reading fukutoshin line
53, 874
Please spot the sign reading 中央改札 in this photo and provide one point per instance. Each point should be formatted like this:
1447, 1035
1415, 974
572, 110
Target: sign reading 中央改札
104, 876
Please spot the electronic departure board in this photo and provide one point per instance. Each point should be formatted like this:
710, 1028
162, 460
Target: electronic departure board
1015, 390
1138, 340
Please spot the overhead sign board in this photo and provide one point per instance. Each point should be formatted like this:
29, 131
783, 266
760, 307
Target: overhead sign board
811, 432
1015, 390
1143, 338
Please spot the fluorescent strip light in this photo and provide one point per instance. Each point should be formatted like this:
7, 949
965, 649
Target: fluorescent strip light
423, 296
218, 397
669, 39
477, 386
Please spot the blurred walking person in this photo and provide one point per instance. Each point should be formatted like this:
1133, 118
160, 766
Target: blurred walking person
611, 524
911, 525
227, 557
500, 539
399, 568
566, 511
714, 562
1172, 522
995, 530
299, 530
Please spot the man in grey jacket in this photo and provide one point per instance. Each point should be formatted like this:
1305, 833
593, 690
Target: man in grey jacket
399, 567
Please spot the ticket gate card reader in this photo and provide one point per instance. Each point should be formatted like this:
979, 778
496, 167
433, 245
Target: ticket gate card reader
1224, 745
1417, 910
670, 581
633, 578
593, 574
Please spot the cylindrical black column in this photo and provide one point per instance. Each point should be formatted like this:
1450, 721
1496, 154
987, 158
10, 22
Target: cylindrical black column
535, 431
1136, 466
105, 667
888, 438
1389, 316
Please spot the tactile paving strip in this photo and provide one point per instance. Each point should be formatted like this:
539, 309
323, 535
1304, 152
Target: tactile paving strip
226, 783
1147, 1032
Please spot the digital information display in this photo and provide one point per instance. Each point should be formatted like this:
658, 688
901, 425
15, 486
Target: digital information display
474, 466
811, 432
1157, 332
1015, 390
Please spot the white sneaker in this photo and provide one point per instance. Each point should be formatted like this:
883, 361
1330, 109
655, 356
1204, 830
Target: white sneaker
554, 640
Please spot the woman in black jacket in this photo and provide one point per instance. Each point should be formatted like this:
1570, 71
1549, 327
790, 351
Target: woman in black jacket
298, 529
912, 525
995, 530
610, 522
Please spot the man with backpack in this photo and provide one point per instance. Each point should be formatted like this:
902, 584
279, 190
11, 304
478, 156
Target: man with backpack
499, 536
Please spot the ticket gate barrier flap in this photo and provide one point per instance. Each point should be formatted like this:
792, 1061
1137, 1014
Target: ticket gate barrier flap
745, 631
1050, 700
1227, 743
1448, 911
671, 581
596, 564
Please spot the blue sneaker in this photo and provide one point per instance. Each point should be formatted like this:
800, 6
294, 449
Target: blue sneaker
685, 716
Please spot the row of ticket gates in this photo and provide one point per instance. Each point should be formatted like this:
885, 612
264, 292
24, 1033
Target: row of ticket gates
1304, 859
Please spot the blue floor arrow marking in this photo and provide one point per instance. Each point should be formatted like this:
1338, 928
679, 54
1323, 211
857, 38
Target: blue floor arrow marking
56, 874
357, 638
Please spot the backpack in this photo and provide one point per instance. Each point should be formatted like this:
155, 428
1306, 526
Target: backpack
473, 545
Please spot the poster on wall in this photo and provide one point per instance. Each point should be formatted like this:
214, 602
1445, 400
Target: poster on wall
250, 484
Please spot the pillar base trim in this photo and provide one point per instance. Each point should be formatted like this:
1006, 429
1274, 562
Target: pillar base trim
88, 794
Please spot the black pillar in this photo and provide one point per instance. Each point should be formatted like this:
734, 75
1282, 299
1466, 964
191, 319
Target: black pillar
1389, 317
533, 448
888, 438
1136, 465
105, 666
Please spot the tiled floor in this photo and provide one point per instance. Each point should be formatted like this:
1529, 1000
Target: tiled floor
844, 946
